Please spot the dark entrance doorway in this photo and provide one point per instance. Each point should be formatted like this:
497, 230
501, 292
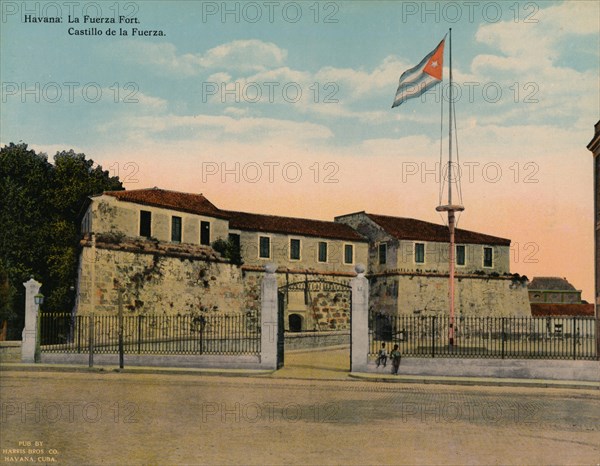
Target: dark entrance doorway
295, 322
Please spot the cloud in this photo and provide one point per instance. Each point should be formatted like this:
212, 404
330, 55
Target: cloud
221, 128
241, 55
532, 64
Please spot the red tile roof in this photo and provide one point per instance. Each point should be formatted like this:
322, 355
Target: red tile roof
294, 226
183, 202
559, 310
413, 229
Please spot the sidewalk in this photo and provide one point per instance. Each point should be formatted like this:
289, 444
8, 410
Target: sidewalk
332, 365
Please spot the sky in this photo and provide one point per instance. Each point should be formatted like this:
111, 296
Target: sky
284, 108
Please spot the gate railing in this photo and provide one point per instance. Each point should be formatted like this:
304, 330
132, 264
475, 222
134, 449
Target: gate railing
486, 337
237, 334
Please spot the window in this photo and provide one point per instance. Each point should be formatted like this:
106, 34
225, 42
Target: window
488, 257
383, 253
264, 247
322, 251
205, 233
86, 224
295, 249
176, 229
145, 223
234, 239
348, 254
460, 255
419, 253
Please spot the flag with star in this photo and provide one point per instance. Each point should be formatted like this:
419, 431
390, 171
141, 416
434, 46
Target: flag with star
422, 77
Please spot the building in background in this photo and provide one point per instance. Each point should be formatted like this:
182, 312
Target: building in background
553, 290
556, 299
594, 147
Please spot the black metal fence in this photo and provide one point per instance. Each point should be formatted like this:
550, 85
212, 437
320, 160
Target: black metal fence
486, 337
237, 334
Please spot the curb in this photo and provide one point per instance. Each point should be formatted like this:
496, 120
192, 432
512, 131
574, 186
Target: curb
472, 381
135, 370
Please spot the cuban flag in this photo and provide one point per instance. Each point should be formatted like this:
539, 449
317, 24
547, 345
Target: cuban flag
422, 77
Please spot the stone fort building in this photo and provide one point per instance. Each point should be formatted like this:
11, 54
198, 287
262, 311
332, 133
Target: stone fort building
177, 253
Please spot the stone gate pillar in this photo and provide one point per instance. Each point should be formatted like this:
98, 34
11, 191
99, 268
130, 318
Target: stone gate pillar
360, 320
29, 335
268, 318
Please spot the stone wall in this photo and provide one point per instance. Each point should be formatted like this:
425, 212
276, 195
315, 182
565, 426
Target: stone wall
321, 308
10, 351
307, 340
427, 294
159, 278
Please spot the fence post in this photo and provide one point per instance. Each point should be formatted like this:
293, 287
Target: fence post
120, 309
30, 332
433, 336
202, 324
139, 334
359, 323
91, 340
574, 337
78, 325
503, 336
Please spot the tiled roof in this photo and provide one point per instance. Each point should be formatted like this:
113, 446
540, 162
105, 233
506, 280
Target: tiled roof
550, 284
413, 229
183, 202
558, 310
293, 226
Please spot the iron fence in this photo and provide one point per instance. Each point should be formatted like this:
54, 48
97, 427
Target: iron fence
237, 334
485, 337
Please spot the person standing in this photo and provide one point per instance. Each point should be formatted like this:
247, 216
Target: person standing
395, 356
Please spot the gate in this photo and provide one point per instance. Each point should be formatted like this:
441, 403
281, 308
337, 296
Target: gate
280, 329
339, 297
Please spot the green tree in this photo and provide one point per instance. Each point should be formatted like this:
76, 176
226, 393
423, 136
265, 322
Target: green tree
7, 299
229, 250
40, 213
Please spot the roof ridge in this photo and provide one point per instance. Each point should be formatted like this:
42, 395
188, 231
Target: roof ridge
282, 216
155, 188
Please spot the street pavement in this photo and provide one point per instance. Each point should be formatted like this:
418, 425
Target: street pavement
310, 412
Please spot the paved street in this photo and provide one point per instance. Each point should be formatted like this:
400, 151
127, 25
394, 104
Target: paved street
124, 418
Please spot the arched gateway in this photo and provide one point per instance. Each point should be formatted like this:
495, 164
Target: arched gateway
312, 306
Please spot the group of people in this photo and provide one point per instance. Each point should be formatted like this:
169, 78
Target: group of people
395, 356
